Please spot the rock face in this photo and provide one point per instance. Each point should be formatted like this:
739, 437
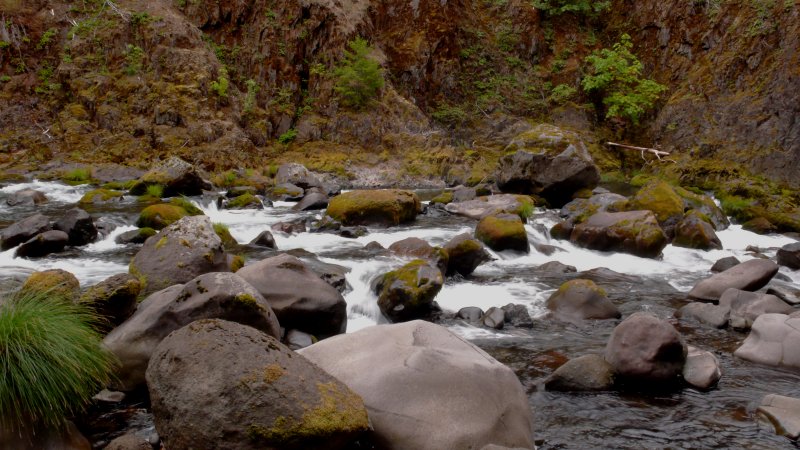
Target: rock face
25, 229
178, 253
702, 369
408, 292
385, 207
585, 373
213, 295
488, 206
579, 299
783, 413
26, 197
789, 256
694, 232
176, 175
549, 162
114, 298
428, 389
252, 390
644, 349
78, 225
748, 276
503, 232
465, 254
773, 340
745, 307
43, 244
635, 232
299, 297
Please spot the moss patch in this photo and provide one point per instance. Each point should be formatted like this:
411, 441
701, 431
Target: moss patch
502, 232
374, 207
100, 196
159, 216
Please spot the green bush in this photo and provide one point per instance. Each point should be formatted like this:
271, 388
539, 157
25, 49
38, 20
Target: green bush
220, 85
288, 137
583, 7
449, 115
80, 174
52, 360
359, 78
250, 97
616, 76
134, 59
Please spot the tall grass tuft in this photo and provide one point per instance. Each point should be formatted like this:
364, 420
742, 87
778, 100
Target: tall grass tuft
155, 190
51, 359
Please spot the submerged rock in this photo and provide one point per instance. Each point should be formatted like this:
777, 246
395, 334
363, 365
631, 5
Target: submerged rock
585, 373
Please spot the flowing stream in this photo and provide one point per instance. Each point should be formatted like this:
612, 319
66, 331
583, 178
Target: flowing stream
721, 418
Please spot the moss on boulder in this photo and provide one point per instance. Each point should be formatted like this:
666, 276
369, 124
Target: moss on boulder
246, 200
443, 198
660, 198
55, 282
100, 196
159, 216
635, 232
386, 207
408, 292
695, 231
503, 232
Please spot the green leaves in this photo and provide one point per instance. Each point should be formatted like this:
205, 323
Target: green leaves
359, 78
583, 7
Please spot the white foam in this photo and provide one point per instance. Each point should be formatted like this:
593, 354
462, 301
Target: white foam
54, 191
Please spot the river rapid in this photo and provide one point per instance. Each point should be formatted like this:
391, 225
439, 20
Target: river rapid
721, 418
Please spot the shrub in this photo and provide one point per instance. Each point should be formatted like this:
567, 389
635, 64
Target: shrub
562, 93
583, 7
616, 76
250, 97
134, 59
288, 137
52, 360
80, 174
449, 115
220, 85
359, 78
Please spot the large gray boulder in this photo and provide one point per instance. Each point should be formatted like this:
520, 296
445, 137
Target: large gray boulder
43, 244
219, 384
748, 276
426, 388
296, 174
773, 340
23, 230
78, 224
178, 253
490, 205
579, 299
644, 349
299, 297
177, 176
548, 162
789, 256
635, 232
27, 197
745, 307
219, 295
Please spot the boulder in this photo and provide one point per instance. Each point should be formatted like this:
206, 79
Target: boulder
644, 349
548, 162
788, 292
556, 267
138, 236
580, 209
53, 282
384, 207
417, 248
635, 232
724, 264
296, 174
427, 389
704, 205
494, 317
28, 197
693, 231
660, 198
748, 276
746, 306
782, 413
713, 315
286, 191
23, 230
179, 253
470, 313
216, 383
503, 232
407, 293
244, 201
701, 369
43, 244
518, 316
159, 216
585, 373
129, 441
101, 196
296, 339
312, 201
789, 256
114, 298
264, 239
218, 295
490, 205
176, 175
465, 254
299, 297
78, 225
38, 437
759, 225
773, 340
578, 300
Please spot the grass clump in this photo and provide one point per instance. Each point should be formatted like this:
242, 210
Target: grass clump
155, 190
52, 360
187, 205
80, 175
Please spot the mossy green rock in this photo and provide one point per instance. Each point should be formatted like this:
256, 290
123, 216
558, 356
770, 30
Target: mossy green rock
580, 299
54, 282
660, 198
696, 231
100, 196
635, 232
386, 207
177, 176
246, 200
443, 198
114, 298
465, 254
254, 393
159, 216
408, 292
759, 225
503, 232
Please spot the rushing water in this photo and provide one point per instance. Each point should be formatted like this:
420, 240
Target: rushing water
721, 418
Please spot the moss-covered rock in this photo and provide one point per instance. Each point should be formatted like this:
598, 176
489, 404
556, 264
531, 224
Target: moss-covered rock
705, 205
135, 236
224, 233
581, 299
443, 198
159, 216
96, 196
408, 292
695, 231
245, 201
503, 232
386, 207
55, 282
466, 254
760, 225
635, 232
113, 298
176, 176
187, 206
660, 198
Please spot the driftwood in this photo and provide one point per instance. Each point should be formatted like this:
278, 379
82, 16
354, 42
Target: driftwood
658, 153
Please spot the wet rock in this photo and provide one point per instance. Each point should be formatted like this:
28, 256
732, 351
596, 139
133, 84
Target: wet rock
106, 396
299, 297
236, 191
748, 276
759, 225
296, 339
701, 369
252, 390
725, 263
789, 256
78, 225
213, 295
158, 217
286, 192
660, 198
518, 316
43, 244
53, 282
694, 232
635, 232
38, 437
23, 230
713, 315
578, 300
584, 373
470, 313
296, 174
264, 239
297, 226
644, 349
179, 253
503, 232
548, 162
580, 209
385, 207
787, 292
417, 248
465, 254
129, 441
556, 267
494, 318
244, 201
782, 413
745, 307
464, 194
113, 298
491, 205
135, 236
101, 196
311, 202
773, 340
397, 368
333, 274
177, 176
353, 232
27, 197
407, 293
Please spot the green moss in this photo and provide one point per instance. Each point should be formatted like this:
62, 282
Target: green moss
237, 263
80, 175
659, 197
161, 242
502, 232
386, 207
580, 283
243, 201
225, 235
187, 206
100, 196
444, 198
119, 185
54, 283
159, 216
